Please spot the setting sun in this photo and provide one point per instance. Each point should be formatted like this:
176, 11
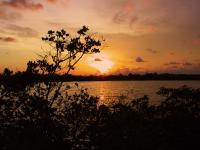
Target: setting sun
101, 62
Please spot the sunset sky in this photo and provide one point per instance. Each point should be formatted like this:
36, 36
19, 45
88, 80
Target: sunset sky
141, 35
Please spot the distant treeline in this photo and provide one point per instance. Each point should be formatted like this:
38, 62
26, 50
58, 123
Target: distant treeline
24, 76
121, 77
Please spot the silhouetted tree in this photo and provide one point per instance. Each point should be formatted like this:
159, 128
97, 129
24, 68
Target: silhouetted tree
36, 115
66, 51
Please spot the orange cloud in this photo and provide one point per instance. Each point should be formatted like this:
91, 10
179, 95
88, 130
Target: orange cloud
172, 63
9, 15
139, 60
52, 1
97, 59
176, 64
152, 50
22, 31
8, 39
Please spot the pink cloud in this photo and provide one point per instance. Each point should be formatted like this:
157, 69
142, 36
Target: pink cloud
125, 14
22, 5
128, 7
196, 41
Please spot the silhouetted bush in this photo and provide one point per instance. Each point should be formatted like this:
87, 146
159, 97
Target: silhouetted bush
27, 121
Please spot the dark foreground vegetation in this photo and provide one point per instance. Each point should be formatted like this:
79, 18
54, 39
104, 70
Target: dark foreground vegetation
43, 115
30, 121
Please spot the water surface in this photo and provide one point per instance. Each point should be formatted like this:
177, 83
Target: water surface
121, 90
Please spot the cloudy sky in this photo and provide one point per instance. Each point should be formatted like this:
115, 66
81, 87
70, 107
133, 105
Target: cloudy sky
141, 35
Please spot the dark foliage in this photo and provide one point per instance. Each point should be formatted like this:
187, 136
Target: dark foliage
29, 121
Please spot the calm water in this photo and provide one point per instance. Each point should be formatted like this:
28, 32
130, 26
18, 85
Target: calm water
109, 91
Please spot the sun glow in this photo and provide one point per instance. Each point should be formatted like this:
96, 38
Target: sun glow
101, 62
